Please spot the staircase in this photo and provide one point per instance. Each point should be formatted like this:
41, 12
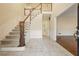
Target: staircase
11, 41
16, 39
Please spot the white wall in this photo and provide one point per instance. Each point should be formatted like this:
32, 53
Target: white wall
53, 28
36, 27
67, 22
57, 9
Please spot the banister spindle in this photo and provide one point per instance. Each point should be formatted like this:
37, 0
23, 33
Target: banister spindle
21, 26
41, 8
30, 15
51, 7
24, 12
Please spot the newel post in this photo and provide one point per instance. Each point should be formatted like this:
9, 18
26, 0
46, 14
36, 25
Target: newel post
22, 39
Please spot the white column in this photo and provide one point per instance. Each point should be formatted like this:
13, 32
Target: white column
53, 28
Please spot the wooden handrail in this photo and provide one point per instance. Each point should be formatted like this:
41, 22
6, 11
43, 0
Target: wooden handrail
21, 25
31, 12
26, 9
27, 17
36, 7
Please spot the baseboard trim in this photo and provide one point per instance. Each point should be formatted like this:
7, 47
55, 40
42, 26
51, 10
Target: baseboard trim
12, 48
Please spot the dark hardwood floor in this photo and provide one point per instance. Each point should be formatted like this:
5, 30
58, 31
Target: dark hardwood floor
69, 43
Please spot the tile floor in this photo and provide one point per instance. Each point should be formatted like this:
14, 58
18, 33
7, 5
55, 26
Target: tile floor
40, 47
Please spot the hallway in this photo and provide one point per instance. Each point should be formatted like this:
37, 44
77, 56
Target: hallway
40, 47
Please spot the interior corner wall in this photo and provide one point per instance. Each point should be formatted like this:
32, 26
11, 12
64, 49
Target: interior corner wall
57, 8
67, 22
10, 15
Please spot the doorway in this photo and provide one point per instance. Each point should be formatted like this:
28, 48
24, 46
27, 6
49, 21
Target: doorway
46, 25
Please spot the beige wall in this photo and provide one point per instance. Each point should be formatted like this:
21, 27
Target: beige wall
10, 14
